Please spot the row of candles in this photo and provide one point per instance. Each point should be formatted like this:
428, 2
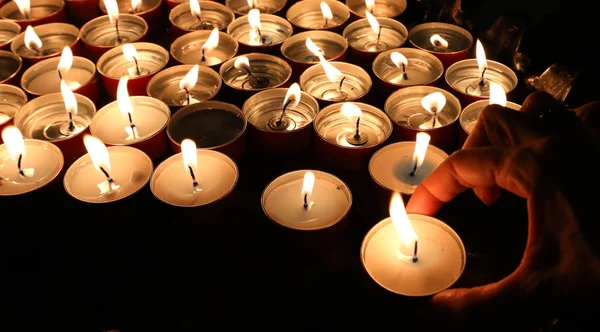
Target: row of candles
407, 254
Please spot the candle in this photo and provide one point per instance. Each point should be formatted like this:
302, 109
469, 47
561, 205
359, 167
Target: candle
306, 200
26, 165
11, 100
257, 32
8, 31
372, 35
45, 76
448, 42
136, 121
318, 15
301, 49
106, 175
139, 61
34, 12
199, 15
194, 177
411, 254
242, 7
45, 41
199, 48
402, 67
335, 81
255, 72
379, 8
10, 66
149, 10
400, 167
280, 119
471, 78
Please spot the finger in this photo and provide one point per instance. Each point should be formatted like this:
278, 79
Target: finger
537, 102
489, 195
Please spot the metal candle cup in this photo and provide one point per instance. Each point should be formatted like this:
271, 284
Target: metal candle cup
275, 30
365, 44
54, 37
99, 35
293, 134
212, 125
112, 65
409, 117
130, 170
10, 67
468, 116
216, 173
382, 8
150, 11
42, 78
45, 118
459, 41
241, 7
165, 86
42, 12
334, 129
12, 99
356, 85
307, 15
212, 15
187, 49
422, 69
461, 75
80, 12
8, 31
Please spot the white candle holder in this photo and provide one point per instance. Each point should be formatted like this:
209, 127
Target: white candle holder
409, 117
41, 12
441, 262
329, 202
10, 66
130, 170
277, 132
43, 157
364, 42
294, 49
470, 114
165, 86
187, 49
356, 85
275, 30
459, 41
54, 37
99, 35
216, 175
307, 15
382, 8
11, 100
8, 31
268, 72
241, 7
212, 15
464, 76
422, 69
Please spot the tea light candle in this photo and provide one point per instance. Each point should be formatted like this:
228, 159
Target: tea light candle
280, 119
334, 81
183, 85
45, 76
471, 78
139, 61
10, 66
448, 42
199, 15
379, 8
106, 175
255, 72
194, 177
11, 100
149, 10
8, 31
105, 32
34, 12
136, 121
402, 67
412, 254
256, 32
372, 35
301, 49
318, 15
204, 48
242, 7
400, 167
306, 200
26, 165
45, 41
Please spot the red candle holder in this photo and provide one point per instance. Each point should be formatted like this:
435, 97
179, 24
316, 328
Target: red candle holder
455, 43
187, 49
112, 65
308, 15
99, 35
149, 10
381, 8
82, 11
365, 45
212, 15
275, 30
12, 100
470, 114
10, 68
8, 31
41, 12
54, 37
242, 7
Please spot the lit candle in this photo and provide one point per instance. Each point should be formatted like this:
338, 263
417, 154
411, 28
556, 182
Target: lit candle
26, 165
253, 80
112, 10
302, 53
24, 13
259, 32
209, 45
32, 41
106, 175
242, 7
333, 75
45, 41
256, 37
199, 15
327, 14
412, 255
188, 48
11, 100
439, 43
367, 39
306, 200
403, 67
434, 104
188, 82
194, 177
149, 10
448, 42
318, 15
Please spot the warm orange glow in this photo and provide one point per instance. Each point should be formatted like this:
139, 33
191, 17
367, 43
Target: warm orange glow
313, 47
136, 5
293, 93
351, 111
434, 102
398, 59
24, 7
439, 42
112, 10
480, 54
212, 42
190, 156
124, 102
32, 41
189, 80
420, 148
13, 139
98, 153
308, 183
497, 94
130, 52
401, 222
373, 22
66, 61
327, 14
69, 99
333, 74
195, 8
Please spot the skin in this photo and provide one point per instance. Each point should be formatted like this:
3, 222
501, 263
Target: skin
559, 275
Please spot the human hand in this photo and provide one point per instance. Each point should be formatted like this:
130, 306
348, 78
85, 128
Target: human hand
560, 271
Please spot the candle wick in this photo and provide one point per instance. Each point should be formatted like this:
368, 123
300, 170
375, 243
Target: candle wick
37, 50
305, 201
187, 95
260, 36
117, 31
283, 111
326, 21
203, 56
71, 123
194, 183
341, 82
137, 67
108, 178
378, 36
131, 124
415, 258
434, 110
404, 74
60, 77
481, 81
357, 134
250, 73
19, 165
415, 167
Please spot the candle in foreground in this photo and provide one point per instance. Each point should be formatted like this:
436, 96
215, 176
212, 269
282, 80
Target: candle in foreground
412, 254
306, 200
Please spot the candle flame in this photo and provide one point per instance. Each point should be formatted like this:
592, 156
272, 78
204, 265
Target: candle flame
66, 61
130, 52
254, 19
352, 111
439, 42
434, 102
421, 148
195, 8
98, 153
293, 94
308, 183
24, 7
190, 155
326, 10
401, 222
136, 5
480, 54
112, 10
497, 94
13, 139
68, 98
373, 22
333, 74
398, 59
32, 41
242, 62
370, 4
126, 107
313, 47
189, 80
212, 42
252, 3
